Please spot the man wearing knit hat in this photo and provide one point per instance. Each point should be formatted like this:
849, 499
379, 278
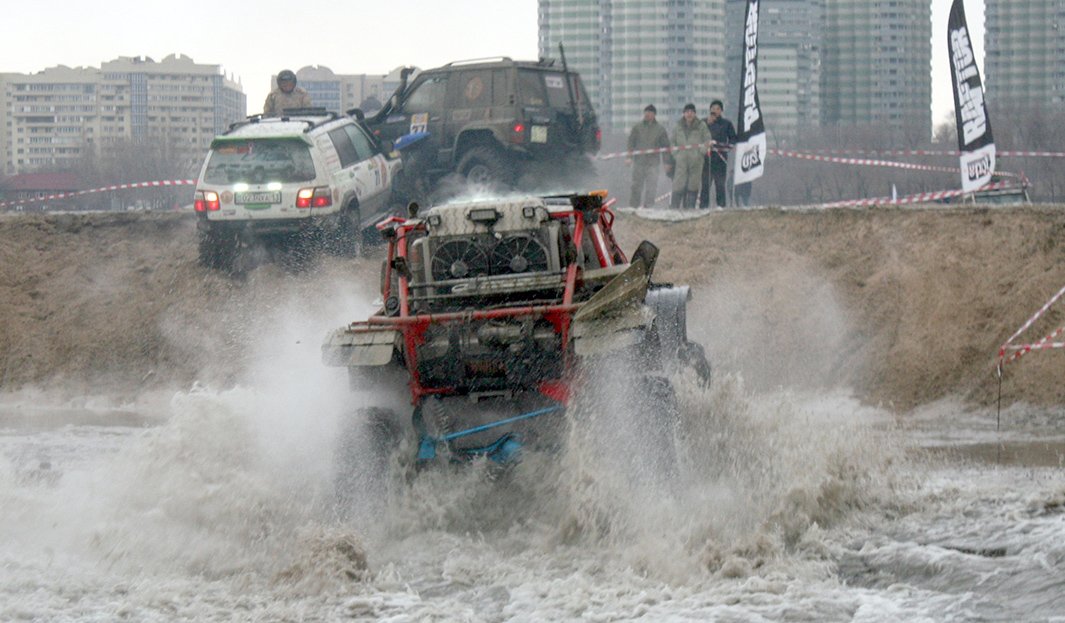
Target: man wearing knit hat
647, 134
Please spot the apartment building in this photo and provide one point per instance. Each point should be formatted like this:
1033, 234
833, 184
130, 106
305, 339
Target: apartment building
789, 65
1024, 48
631, 53
53, 118
876, 65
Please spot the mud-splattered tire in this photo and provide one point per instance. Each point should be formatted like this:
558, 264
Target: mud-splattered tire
364, 446
344, 239
488, 166
692, 356
655, 398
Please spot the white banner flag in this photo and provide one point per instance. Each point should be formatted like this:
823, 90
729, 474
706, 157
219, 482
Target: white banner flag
970, 113
750, 140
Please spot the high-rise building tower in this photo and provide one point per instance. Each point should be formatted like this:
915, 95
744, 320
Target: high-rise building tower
631, 53
877, 65
789, 64
1024, 46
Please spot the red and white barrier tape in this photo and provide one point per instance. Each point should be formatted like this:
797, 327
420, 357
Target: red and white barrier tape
932, 152
911, 199
102, 189
1020, 350
1005, 153
815, 156
657, 150
1023, 349
874, 163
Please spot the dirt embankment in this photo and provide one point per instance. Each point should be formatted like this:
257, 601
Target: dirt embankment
904, 305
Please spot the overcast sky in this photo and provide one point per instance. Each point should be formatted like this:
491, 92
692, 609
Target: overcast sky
260, 38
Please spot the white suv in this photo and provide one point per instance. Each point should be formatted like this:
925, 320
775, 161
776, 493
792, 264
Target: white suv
306, 178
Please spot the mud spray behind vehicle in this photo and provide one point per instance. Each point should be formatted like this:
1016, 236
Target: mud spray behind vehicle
496, 314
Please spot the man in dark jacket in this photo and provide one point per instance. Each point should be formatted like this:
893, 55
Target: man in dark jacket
715, 167
647, 134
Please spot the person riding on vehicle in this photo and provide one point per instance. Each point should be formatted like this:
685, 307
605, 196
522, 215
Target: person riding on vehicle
286, 95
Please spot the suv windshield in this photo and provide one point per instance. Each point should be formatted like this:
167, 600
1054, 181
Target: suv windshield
259, 162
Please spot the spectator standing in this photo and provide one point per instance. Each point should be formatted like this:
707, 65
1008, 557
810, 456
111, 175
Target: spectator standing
693, 136
715, 166
286, 95
742, 194
647, 134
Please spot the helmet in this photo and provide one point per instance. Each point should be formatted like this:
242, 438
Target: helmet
286, 75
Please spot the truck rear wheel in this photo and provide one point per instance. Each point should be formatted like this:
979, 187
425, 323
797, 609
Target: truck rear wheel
487, 165
345, 238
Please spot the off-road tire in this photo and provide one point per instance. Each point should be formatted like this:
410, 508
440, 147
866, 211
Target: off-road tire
345, 238
361, 461
692, 356
658, 401
487, 165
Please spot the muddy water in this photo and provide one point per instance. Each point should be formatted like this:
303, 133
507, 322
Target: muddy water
216, 505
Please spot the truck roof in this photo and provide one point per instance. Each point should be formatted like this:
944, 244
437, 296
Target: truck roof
504, 62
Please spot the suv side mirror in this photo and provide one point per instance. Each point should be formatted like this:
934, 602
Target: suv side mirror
357, 113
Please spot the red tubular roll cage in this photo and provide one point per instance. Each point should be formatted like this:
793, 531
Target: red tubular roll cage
413, 327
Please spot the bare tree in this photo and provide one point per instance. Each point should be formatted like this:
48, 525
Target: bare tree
132, 161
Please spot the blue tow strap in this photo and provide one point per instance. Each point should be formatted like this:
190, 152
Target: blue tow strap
517, 418
505, 446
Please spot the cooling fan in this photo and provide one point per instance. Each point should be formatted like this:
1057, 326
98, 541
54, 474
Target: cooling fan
459, 259
519, 254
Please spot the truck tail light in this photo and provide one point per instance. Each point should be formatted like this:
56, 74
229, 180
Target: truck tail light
207, 201
518, 133
318, 197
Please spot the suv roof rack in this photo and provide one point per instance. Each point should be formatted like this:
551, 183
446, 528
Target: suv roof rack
243, 122
505, 59
309, 111
288, 114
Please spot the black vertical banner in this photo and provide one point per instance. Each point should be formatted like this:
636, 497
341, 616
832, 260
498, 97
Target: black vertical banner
970, 112
750, 137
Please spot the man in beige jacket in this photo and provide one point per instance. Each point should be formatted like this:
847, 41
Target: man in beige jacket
693, 138
286, 95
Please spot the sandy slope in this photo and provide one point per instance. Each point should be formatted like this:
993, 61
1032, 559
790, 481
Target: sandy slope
905, 305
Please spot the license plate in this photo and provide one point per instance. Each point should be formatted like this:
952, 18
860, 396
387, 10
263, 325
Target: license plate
267, 197
539, 134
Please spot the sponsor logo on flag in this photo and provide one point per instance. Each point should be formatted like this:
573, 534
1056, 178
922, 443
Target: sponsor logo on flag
750, 140
970, 112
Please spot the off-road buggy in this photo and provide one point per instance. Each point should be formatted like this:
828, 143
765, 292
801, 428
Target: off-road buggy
495, 315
